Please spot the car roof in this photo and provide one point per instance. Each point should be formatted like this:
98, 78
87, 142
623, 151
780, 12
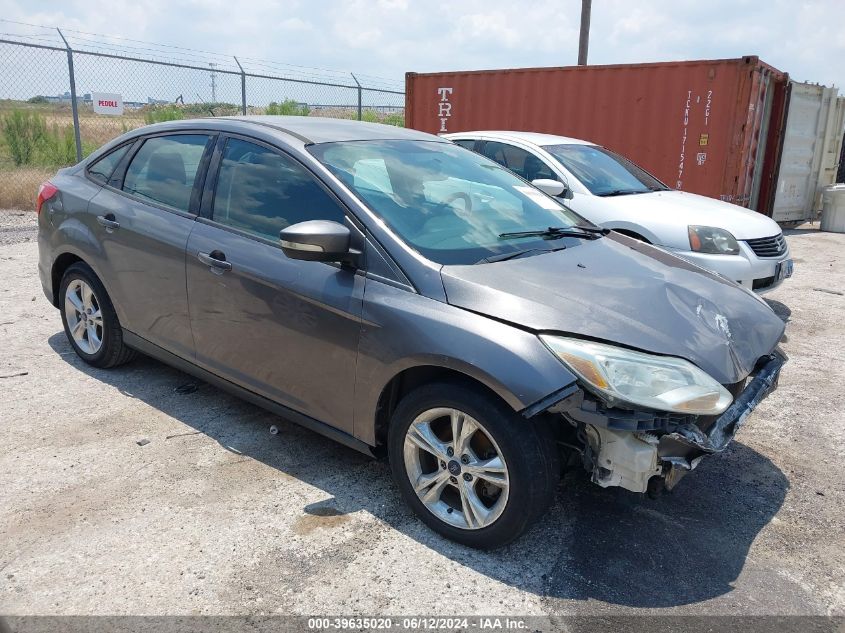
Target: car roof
312, 129
536, 138
307, 129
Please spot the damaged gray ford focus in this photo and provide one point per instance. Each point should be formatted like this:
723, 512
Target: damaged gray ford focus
409, 298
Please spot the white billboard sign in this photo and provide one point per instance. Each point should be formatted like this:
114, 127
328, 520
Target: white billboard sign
107, 103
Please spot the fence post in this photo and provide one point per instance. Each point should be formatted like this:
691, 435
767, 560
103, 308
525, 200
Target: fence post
243, 86
359, 95
73, 106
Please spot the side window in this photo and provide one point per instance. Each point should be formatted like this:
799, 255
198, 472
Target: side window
262, 191
518, 160
102, 170
164, 169
468, 143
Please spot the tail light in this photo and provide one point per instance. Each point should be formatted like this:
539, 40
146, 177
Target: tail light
46, 191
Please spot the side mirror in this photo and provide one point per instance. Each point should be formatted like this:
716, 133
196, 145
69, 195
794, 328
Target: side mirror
319, 241
551, 187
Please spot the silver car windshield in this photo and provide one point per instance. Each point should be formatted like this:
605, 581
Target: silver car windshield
449, 203
603, 172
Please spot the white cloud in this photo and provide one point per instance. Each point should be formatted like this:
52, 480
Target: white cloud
389, 37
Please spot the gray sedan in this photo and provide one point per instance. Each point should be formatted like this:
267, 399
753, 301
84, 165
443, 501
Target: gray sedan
409, 298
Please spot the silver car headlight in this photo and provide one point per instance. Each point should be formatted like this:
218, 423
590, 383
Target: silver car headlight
621, 375
710, 239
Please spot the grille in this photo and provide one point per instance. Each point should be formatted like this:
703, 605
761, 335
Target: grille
774, 246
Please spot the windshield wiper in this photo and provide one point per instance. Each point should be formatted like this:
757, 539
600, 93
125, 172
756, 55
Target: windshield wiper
622, 192
506, 256
554, 232
598, 230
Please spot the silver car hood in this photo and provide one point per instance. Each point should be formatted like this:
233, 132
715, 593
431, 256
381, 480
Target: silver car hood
622, 291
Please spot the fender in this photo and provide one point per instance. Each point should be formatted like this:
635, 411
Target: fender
633, 228
402, 330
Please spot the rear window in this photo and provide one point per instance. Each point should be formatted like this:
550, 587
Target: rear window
164, 169
102, 169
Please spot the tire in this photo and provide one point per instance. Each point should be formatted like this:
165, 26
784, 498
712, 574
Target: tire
529, 455
98, 341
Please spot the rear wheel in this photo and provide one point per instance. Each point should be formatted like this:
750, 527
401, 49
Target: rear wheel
470, 467
89, 319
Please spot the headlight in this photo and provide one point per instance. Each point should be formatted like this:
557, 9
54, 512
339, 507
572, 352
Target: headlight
709, 239
656, 382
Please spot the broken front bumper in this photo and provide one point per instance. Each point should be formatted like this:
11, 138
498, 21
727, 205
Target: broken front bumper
642, 451
683, 448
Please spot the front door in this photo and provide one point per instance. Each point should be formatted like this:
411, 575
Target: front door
285, 329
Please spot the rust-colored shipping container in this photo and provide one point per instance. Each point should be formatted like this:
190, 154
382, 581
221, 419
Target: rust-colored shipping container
711, 127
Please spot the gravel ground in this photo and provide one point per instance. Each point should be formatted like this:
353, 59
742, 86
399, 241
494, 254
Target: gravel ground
17, 226
214, 515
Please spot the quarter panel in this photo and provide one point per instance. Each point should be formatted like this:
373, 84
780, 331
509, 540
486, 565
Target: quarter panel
64, 227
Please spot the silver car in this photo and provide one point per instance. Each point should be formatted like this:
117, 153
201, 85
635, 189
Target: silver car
608, 189
409, 298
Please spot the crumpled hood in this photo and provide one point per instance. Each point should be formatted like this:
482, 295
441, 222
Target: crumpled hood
619, 290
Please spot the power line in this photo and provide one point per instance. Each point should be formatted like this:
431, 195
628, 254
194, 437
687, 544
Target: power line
192, 56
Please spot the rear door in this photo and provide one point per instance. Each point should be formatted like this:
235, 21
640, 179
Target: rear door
285, 329
144, 215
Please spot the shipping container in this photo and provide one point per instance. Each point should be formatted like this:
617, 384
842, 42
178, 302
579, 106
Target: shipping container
811, 149
710, 127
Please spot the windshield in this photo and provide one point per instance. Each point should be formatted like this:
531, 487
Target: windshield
447, 202
603, 172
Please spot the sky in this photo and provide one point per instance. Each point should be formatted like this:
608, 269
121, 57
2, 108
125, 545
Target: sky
386, 38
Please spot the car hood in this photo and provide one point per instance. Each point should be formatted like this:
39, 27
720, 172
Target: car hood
690, 208
619, 290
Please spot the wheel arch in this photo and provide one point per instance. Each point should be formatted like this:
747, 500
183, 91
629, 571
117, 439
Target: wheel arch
60, 266
417, 376
632, 233
65, 260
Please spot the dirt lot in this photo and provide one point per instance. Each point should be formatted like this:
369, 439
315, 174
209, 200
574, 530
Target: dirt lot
217, 516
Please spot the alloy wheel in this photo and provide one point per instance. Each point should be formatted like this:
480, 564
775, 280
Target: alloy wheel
84, 317
456, 468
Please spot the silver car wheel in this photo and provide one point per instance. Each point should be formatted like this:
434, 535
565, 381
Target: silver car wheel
84, 317
456, 468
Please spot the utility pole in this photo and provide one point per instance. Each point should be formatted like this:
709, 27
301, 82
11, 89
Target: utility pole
584, 40
213, 83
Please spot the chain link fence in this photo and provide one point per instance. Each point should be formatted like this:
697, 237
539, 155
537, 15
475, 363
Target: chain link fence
49, 80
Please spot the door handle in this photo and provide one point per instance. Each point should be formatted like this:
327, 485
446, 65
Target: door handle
109, 222
215, 259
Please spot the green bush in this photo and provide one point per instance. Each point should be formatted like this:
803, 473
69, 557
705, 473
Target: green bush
37, 99
370, 116
158, 114
57, 147
217, 108
395, 118
31, 142
288, 107
23, 131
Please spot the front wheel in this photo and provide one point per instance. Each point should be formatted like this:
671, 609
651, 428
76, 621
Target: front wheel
471, 468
